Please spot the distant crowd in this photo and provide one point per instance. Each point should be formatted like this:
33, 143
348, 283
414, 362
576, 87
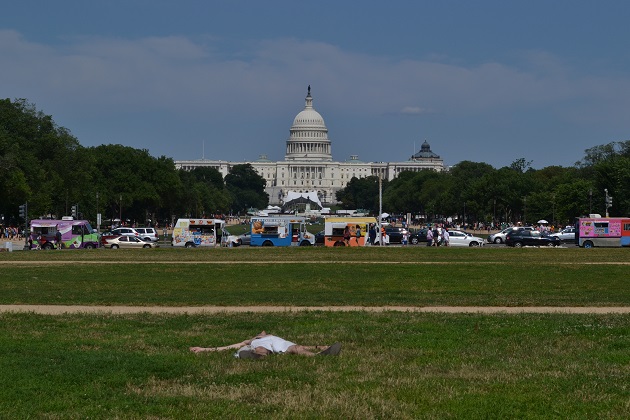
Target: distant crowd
10, 233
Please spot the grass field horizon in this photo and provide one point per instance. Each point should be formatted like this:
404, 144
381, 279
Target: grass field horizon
393, 364
412, 276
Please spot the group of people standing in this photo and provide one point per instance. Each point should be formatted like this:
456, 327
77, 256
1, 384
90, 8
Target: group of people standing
10, 233
437, 236
347, 234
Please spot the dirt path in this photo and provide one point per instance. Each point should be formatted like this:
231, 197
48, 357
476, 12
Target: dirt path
77, 309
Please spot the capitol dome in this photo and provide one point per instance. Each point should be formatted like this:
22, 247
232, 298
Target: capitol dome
308, 118
308, 140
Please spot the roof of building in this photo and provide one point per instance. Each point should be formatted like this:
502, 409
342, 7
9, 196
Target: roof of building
424, 153
293, 197
308, 118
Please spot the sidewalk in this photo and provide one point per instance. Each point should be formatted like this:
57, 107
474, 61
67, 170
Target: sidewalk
14, 245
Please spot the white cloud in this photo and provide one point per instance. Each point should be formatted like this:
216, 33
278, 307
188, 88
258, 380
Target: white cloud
179, 74
101, 78
413, 110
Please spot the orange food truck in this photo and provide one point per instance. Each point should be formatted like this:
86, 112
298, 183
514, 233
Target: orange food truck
334, 228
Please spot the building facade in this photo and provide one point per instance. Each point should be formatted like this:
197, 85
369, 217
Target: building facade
308, 164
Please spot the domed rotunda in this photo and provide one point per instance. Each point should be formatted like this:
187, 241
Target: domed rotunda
308, 168
309, 136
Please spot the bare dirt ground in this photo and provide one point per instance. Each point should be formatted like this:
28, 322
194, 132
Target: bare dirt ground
78, 309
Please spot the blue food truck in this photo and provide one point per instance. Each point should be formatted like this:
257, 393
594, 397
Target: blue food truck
280, 231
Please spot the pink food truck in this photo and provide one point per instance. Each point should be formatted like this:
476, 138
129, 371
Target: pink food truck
603, 232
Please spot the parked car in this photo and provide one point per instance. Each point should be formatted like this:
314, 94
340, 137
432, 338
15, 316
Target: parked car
459, 238
499, 237
566, 235
121, 231
245, 238
228, 239
520, 238
147, 233
123, 241
394, 235
319, 238
416, 237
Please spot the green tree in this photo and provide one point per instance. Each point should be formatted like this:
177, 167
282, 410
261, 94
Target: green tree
246, 187
133, 184
466, 187
38, 161
203, 193
361, 193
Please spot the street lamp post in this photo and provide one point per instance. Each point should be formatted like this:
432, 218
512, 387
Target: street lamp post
553, 209
380, 210
590, 201
98, 216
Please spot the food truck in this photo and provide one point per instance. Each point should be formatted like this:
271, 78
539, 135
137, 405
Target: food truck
75, 234
191, 233
334, 228
280, 231
602, 232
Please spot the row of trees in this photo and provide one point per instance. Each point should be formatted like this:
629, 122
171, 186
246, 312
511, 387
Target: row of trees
473, 191
44, 165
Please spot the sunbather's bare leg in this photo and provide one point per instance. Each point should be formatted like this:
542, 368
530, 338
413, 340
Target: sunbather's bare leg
305, 350
230, 347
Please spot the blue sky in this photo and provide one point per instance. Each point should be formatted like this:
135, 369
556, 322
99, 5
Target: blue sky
486, 81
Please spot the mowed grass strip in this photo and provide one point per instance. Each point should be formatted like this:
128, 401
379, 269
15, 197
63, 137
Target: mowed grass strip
393, 365
568, 254
517, 283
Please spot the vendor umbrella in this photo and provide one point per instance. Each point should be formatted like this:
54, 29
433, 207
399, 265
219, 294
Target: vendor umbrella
542, 222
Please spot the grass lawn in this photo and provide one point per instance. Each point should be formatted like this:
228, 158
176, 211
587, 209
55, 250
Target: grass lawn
412, 276
393, 364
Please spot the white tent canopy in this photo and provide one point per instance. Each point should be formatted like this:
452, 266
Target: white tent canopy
294, 196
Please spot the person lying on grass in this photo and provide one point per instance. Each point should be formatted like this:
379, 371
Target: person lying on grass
265, 344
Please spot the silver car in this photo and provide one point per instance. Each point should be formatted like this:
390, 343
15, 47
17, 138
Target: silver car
566, 235
499, 237
147, 233
245, 238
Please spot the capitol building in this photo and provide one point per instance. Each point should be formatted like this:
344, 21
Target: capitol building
308, 167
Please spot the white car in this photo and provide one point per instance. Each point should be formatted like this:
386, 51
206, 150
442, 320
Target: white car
459, 238
147, 233
227, 239
124, 231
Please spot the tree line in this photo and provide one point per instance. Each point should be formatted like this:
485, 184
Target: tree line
45, 165
477, 192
